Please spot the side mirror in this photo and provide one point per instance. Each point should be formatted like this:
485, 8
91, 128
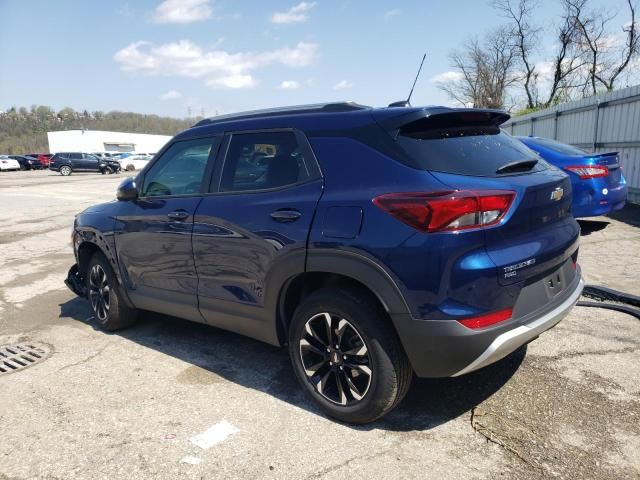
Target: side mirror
127, 190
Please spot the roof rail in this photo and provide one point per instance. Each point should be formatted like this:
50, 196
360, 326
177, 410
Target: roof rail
292, 110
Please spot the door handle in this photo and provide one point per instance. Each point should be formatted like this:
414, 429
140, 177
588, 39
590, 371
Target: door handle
178, 215
286, 215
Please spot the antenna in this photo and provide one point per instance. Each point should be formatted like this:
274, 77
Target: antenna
416, 79
405, 103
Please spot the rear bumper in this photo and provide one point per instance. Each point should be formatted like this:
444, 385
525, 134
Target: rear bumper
590, 201
445, 348
507, 342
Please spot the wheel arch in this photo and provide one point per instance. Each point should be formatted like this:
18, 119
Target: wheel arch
340, 269
89, 241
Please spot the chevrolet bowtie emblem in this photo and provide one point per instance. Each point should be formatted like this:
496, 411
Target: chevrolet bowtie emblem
557, 194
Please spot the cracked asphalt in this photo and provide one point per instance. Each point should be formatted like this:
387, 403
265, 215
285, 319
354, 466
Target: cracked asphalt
127, 405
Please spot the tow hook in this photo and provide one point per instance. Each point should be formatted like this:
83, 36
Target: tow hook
75, 282
620, 301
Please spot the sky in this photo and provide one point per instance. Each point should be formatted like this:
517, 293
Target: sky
181, 57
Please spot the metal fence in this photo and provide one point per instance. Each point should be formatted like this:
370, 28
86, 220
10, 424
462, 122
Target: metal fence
607, 122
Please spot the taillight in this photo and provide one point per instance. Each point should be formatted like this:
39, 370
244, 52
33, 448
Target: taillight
488, 319
451, 210
589, 171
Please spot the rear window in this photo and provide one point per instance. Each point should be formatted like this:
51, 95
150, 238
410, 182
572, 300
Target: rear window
475, 149
558, 147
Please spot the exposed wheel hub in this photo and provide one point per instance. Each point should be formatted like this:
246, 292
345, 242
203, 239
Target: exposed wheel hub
335, 359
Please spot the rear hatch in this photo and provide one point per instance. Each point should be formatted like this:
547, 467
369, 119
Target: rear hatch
466, 150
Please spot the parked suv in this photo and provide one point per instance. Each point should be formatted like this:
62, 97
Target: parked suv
68, 162
377, 243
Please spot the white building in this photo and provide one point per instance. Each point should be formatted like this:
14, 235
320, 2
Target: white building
100, 141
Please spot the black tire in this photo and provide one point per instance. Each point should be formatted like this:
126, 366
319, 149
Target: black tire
366, 323
106, 297
65, 170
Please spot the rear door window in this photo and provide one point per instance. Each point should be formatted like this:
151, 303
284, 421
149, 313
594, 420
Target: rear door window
263, 161
460, 148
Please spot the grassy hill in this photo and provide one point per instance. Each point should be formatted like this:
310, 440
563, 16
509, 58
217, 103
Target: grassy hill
25, 130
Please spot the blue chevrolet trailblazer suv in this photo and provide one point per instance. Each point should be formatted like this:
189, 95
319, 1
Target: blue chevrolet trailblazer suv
376, 243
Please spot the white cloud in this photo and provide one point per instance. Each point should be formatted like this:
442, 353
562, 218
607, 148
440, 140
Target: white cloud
297, 13
445, 77
392, 13
232, 81
343, 85
171, 95
545, 70
290, 84
217, 67
182, 11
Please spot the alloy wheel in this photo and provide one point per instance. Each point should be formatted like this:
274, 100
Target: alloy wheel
335, 359
65, 170
99, 292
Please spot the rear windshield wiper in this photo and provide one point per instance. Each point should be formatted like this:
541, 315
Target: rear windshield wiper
519, 166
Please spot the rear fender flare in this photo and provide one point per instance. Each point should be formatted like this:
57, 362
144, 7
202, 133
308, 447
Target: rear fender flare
364, 269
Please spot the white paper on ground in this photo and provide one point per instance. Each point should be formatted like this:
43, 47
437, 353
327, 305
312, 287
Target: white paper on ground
214, 435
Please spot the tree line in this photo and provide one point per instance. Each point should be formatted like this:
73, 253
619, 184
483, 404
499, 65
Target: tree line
507, 67
24, 130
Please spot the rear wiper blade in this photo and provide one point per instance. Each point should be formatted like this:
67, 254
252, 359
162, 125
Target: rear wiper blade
519, 166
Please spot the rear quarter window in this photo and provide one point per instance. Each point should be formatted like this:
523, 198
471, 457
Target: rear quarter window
476, 150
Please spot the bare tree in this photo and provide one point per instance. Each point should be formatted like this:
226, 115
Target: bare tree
524, 36
607, 60
567, 61
485, 70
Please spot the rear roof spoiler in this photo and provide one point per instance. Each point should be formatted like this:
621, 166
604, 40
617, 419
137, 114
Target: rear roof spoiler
442, 116
601, 155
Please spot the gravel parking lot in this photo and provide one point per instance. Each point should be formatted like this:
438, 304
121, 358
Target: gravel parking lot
133, 404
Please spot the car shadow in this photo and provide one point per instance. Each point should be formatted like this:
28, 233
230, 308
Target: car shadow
630, 215
587, 227
265, 368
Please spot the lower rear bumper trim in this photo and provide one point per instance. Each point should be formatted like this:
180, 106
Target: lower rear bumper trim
509, 341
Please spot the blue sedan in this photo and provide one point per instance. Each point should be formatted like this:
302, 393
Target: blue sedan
599, 188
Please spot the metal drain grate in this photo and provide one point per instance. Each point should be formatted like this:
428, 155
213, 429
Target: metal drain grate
21, 355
